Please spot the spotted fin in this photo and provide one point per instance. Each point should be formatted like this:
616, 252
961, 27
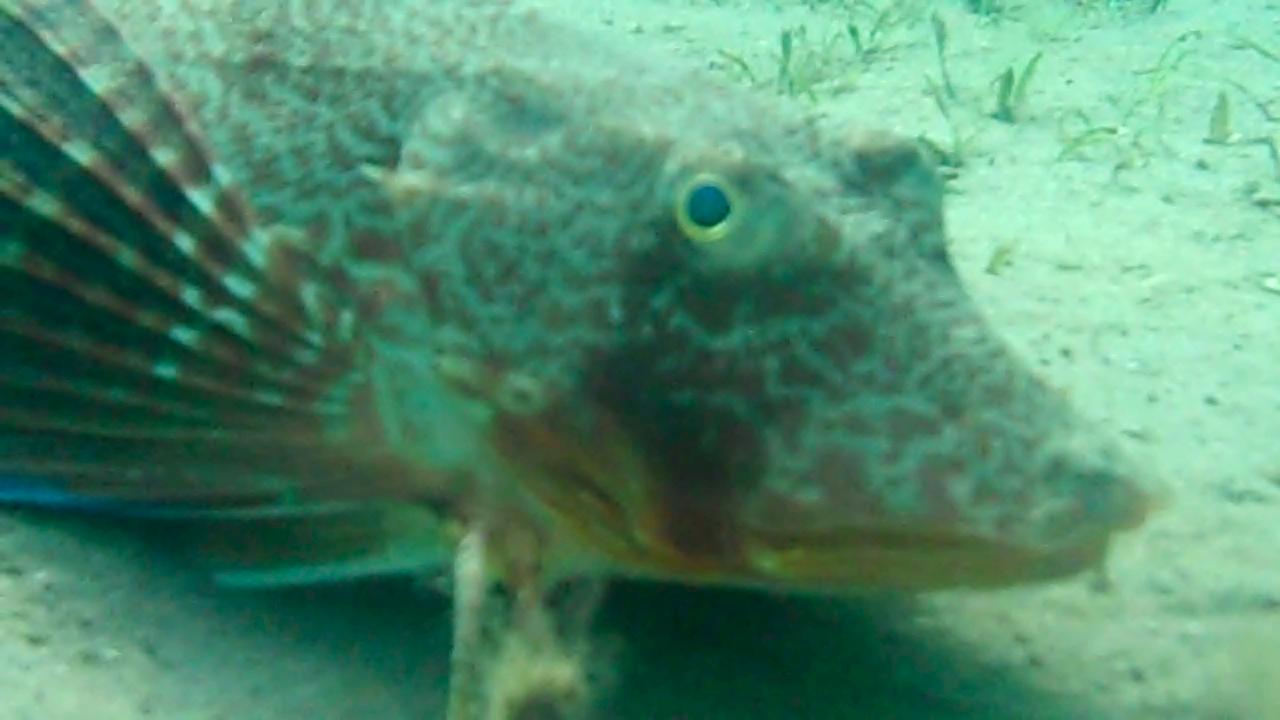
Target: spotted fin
162, 352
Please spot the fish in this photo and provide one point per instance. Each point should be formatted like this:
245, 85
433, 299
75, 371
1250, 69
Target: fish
395, 287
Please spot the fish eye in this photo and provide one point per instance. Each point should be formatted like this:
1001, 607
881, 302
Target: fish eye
706, 208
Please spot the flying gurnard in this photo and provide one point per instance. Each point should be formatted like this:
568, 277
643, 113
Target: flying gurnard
386, 286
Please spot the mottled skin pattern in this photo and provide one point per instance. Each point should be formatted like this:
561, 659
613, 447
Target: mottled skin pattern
440, 268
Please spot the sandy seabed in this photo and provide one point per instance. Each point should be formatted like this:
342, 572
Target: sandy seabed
1132, 263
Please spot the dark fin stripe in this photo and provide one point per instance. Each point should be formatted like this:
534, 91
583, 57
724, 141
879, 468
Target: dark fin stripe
105, 287
139, 220
112, 422
93, 51
46, 388
130, 194
52, 402
85, 238
82, 46
118, 355
25, 362
102, 299
126, 230
292, 374
130, 230
228, 245
129, 395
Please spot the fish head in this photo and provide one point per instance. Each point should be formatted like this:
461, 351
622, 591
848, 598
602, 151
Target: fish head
716, 341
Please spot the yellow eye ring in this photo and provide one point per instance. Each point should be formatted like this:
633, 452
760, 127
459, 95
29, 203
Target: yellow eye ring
707, 208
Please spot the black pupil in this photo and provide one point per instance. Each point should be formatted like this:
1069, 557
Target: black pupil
708, 206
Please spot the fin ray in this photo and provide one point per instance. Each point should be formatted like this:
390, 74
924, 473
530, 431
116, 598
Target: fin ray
159, 345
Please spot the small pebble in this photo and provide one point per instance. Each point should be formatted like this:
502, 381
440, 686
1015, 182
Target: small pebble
99, 655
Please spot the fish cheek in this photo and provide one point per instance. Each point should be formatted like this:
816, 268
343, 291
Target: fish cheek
703, 459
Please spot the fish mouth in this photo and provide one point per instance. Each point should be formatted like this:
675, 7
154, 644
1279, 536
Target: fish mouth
611, 509
915, 559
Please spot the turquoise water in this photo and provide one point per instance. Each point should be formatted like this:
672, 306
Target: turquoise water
314, 260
